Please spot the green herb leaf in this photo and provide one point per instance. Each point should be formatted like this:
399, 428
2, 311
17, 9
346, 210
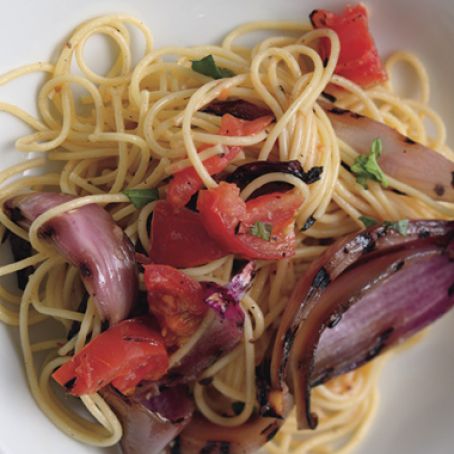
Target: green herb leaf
367, 168
261, 230
141, 197
367, 221
208, 67
400, 227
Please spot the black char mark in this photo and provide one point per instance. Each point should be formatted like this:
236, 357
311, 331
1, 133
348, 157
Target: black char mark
452, 179
175, 446
212, 447
69, 385
409, 141
84, 269
21, 250
321, 279
451, 290
439, 189
47, 232
423, 233
329, 96
379, 345
334, 320
271, 430
399, 265
367, 243
339, 111
310, 221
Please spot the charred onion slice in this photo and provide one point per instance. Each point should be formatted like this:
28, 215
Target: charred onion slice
150, 423
238, 108
402, 158
357, 271
89, 239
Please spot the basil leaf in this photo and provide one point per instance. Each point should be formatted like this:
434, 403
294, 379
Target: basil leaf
367, 221
261, 230
367, 168
400, 227
208, 67
141, 197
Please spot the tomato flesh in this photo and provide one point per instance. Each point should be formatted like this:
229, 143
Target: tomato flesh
187, 182
179, 239
124, 355
175, 300
228, 219
358, 60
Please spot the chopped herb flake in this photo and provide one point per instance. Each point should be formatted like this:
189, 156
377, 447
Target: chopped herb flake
141, 197
367, 168
367, 221
400, 227
261, 230
207, 66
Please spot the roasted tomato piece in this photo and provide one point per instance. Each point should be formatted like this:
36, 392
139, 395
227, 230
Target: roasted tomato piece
187, 182
179, 239
358, 60
175, 300
259, 229
124, 355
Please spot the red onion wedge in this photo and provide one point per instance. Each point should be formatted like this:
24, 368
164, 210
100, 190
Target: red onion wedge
367, 273
402, 158
223, 327
151, 422
90, 240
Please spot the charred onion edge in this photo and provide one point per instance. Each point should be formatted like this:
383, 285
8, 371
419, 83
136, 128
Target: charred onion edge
322, 272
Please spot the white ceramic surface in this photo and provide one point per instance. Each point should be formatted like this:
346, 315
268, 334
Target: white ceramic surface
417, 400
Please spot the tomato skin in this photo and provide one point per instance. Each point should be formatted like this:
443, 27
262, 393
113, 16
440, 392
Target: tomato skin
124, 355
175, 300
358, 60
172, 230
228, 219
233, 126
187, 182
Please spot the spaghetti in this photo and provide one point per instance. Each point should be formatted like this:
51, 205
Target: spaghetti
136, 126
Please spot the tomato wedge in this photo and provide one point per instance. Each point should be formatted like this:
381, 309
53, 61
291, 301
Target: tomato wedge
124, 355
179, 239
358, 60
187, 182
176, 300
229, 220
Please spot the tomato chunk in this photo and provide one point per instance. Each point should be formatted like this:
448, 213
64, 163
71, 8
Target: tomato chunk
176, 300
229, 220
187, 182
124, 355
179, 239
358, 60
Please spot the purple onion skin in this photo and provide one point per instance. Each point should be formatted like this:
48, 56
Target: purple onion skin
151, 423
225, 329
89, 239
418, 294
238, 108
402, 158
